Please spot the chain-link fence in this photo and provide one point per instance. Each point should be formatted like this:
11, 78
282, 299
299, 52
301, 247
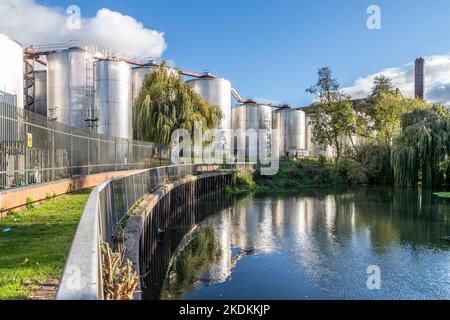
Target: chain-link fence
35, 150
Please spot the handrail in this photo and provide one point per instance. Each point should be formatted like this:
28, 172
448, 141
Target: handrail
106, 206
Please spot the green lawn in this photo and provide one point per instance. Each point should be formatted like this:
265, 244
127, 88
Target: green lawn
36, 247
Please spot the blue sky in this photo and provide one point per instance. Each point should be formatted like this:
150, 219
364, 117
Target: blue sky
272, 49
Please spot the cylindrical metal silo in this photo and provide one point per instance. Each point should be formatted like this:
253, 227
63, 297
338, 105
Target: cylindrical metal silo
297, 132
310, 145
251, 117
280, 121
314, 149
217, 92
69, 73
113, 98
40, 92
138, 75
11, 70
291, 137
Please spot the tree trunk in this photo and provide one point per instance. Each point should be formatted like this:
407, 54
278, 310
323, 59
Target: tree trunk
338, 149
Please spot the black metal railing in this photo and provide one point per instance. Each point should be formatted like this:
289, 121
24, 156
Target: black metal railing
34, 150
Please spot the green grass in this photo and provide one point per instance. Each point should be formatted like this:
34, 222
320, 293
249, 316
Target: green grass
36, 248
443, 194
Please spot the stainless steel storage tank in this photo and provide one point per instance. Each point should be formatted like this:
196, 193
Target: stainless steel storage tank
69, 73
113, 98
310, 145
40, 92
291, 137
297, 132
314, 149
138, 75
280, 119
254, 117
11, 69
217, 91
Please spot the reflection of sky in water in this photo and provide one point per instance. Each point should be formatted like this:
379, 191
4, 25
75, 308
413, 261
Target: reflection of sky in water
319, 247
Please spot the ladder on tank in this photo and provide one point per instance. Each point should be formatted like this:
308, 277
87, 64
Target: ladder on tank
91, 117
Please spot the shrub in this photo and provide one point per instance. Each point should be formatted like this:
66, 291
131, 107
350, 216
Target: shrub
70, 188
371, 164
243, 180
29, 203
322, 159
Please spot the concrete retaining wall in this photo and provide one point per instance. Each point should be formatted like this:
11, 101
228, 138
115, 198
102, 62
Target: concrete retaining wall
135, 226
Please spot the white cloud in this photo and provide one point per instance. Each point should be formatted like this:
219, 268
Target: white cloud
437, 80
32, 23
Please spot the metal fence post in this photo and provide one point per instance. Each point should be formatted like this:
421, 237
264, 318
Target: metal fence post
89, 156
115, 153
71, 153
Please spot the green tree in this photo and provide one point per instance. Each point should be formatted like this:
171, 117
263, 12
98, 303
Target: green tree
422, 151
386, 114
381, 84
333, 116
380, 122
166, 103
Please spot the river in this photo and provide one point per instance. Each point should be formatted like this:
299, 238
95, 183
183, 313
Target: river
354, 243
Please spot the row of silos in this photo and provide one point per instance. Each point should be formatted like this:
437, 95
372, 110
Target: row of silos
77, 88
82, 90
284, 131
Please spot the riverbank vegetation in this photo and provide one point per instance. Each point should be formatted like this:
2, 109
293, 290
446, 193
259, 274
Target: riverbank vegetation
293, 176
34, 244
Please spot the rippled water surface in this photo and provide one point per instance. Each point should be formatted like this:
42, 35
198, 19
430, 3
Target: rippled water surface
317, 245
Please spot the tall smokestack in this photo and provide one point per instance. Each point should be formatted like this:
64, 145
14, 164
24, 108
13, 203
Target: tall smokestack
419, 78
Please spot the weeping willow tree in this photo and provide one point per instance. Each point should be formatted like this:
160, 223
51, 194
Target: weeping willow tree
421, 152
165, 104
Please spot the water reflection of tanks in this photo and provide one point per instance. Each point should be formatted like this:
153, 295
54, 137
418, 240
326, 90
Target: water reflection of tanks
113, 98
249, 118
291, 137
40, 92
217, 91
221, 270
252, 225
69, 79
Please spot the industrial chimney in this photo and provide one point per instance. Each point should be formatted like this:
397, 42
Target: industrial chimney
419, 79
